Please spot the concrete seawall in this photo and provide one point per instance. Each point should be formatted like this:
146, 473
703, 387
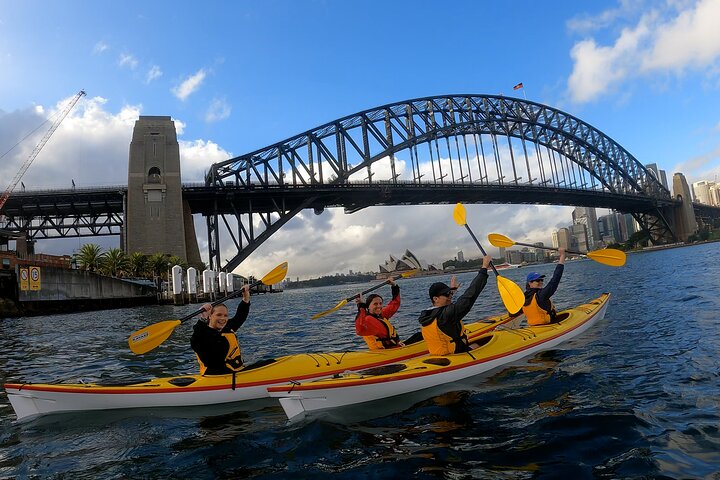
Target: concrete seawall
66, 290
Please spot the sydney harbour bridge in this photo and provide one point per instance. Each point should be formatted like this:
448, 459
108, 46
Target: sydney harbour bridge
445, 149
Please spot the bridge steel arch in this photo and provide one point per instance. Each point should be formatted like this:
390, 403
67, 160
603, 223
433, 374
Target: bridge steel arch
471, 148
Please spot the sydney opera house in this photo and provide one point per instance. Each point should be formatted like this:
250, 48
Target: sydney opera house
407, 262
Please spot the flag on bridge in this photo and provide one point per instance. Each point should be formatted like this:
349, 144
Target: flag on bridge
518, 86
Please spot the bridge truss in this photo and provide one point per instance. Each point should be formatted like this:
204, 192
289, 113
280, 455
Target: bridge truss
443, 149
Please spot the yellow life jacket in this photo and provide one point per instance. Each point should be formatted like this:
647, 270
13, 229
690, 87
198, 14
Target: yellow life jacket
535, 314
377, 343
233, 359
440, 343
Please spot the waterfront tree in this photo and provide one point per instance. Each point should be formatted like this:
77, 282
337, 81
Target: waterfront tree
115, 263
138, 265
90, 257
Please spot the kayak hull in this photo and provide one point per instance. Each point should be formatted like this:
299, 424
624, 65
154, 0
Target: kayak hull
31, 400
498, 348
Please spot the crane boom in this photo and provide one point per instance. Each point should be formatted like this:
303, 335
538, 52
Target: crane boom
38, 147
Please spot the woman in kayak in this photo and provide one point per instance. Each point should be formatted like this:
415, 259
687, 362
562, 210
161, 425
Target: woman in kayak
538, 308
373, 321
442, 326
214, 339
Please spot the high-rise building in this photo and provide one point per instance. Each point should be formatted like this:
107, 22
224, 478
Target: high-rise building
609, 228
714, 192
562, 239
701, 191
588, 217
631, 225
580, 237
659, 174
540, 253
461, 256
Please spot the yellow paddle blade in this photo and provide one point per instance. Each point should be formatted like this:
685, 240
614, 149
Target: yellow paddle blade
608, 256
334, 309
498, 240
459, 214
150, 337
511, 294
276, 275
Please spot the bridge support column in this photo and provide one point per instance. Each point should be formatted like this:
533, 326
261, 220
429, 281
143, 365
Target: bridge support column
684, 215
156, 218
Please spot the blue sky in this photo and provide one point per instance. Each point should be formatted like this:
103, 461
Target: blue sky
237, 76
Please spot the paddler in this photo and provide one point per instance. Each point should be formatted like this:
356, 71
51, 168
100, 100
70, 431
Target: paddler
214, 339
372, 321
538, 308
442, 326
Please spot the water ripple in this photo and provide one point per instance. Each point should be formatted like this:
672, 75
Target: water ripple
637, 396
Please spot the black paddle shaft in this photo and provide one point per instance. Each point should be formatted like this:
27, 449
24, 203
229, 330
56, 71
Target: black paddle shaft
481, 248
548, 248
218, 302
373, 288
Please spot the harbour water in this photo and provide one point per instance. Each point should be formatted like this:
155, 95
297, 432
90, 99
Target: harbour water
637, 396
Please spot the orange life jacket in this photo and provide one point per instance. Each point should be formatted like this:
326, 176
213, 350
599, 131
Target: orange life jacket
378, 343
440, 343
536, 315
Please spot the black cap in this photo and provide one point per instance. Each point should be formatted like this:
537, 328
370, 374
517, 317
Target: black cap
438, 288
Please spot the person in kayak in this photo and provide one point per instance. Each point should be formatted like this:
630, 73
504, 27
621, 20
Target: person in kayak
372, 321
538, 308
442, 326
214, 340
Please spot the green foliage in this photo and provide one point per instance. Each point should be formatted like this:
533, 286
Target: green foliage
115, 263
158, 265
137, 265
636, 240
90, 257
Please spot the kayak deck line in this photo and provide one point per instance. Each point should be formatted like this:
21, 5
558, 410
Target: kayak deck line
500, 347
30, 400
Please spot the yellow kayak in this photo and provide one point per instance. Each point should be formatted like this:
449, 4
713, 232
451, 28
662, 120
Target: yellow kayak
495, 348
35, 399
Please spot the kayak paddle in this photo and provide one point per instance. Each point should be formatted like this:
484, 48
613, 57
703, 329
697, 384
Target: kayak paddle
606, 256
510, 293
152, 336
337, 307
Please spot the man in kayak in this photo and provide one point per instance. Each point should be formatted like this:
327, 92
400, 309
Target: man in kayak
538, 308
214, 339
442, 326
372, 321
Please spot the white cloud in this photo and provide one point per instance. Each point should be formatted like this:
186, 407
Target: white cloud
127, 60
100, 47
154, 73
671, 38
189, 85
197, 156
218, 110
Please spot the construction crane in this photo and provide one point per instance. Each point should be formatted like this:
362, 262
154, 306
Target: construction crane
38, 147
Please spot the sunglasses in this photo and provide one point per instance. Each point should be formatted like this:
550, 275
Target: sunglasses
448, 295
541, 280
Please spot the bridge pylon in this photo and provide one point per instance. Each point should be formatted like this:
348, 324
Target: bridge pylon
157, 220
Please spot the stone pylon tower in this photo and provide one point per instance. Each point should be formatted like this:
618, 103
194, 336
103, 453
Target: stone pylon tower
156, 218
684, 218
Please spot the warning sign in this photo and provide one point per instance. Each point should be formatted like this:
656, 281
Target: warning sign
34, 278
24, 275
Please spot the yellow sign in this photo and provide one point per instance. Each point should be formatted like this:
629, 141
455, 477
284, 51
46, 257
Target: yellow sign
24, 285
34, 278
